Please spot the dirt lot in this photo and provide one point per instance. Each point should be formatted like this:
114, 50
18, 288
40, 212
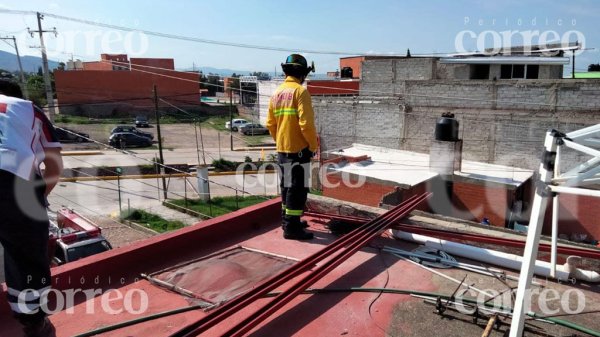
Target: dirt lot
119, 235
174, 135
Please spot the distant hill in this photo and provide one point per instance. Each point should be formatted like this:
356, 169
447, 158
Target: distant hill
8, 61
218, 71
229, 72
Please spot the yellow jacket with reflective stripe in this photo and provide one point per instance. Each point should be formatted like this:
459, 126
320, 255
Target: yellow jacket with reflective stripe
291, 119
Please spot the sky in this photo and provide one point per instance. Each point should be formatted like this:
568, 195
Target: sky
347, 26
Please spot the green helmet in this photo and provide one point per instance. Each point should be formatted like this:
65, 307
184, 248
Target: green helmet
296, 65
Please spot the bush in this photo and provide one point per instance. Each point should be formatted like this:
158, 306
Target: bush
224, 165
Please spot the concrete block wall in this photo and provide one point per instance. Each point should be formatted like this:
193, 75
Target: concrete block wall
387, 76
523, 95
443, 93
579, 95
502, 121
341, 122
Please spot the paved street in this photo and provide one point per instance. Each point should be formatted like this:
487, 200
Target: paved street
102, 197
175, 156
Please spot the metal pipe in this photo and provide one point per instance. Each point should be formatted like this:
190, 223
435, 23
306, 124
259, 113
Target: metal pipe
464, 236
554, 236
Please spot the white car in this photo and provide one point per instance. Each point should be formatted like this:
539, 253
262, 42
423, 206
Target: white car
237, 123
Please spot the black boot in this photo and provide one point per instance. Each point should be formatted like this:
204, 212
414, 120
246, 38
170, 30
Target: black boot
40, 328
293, 229
303, 222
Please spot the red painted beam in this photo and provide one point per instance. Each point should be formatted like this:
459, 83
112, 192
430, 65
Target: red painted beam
239, 303
366, 235
448, 235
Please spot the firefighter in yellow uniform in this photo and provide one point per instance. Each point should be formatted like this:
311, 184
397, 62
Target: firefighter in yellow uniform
291, 123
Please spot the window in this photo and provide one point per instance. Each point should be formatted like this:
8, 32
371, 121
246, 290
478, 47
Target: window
506, 71
533, 71
480, 72
519, 71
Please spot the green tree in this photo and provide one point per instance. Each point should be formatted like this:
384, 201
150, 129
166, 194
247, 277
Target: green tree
594, 67
36, 89
261, 75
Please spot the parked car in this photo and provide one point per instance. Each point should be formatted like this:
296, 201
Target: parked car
253, 129
128, 139
141, 122
237, 123
68, 135
132, 129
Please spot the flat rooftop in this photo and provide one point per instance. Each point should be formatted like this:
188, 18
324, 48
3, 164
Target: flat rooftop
412, 168
338, 311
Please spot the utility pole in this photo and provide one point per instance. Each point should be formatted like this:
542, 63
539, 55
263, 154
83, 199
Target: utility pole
47, 84
573, 70
22, 75
160, 149
231, 116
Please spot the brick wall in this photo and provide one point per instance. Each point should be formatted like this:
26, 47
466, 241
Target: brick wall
146, 63
577, 215
474, 202
332, 87
368, 194
124, 87
353, 62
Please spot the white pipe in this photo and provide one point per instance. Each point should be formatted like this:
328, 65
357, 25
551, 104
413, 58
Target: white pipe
573, 262
574, 190
554, 236
471, 267
511, 261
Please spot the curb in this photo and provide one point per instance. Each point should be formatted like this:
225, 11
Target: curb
81, 153
186, 211
154, 176
140, 228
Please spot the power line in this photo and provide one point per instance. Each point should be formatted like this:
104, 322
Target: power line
195, 39
129, 153
390, 94
131, 191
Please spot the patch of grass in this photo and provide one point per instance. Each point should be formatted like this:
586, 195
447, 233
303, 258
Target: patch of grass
153, 221
219, 205
256, 140
218, 122
315, 192
67, 119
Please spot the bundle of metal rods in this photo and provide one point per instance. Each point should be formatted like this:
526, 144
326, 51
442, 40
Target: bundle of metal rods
335, 253
453, 235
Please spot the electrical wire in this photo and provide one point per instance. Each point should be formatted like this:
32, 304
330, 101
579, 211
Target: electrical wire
347, 103
129, 153
315, 291
361, 91
194, 39
131, 191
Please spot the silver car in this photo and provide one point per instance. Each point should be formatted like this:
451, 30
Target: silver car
253, 129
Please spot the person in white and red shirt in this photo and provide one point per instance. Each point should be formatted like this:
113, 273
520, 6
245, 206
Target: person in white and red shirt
27, 140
